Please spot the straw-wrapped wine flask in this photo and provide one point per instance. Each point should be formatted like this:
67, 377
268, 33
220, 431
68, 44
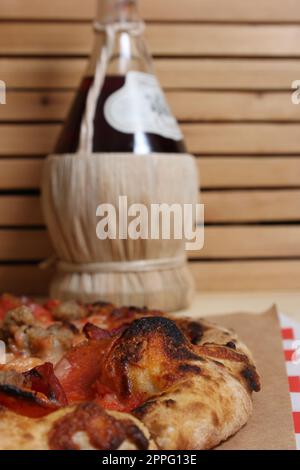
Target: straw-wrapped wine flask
141, 272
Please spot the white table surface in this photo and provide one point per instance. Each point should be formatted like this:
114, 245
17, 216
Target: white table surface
210, 303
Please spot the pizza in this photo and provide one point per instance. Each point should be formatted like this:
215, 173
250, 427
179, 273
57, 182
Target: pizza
102, 377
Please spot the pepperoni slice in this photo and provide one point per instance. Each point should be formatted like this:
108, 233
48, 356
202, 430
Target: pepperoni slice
26, 402
92, 331
39, 394
79, 369
109, 400
43, 380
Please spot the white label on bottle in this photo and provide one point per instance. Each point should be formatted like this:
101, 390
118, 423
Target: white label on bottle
140, 106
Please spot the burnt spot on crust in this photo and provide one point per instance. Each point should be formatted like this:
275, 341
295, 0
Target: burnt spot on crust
193, 330
222, 353
220, 364
135, 435
16, 392
154, 344
252, 378
186, 368
131, 351
144, 409
175, 343
26, 402
146, 326
104, 432
169, 403
240, 362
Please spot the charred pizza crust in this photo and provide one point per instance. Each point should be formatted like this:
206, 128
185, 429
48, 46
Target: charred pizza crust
206, 388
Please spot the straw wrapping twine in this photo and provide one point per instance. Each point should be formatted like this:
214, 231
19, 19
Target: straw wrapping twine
142, 272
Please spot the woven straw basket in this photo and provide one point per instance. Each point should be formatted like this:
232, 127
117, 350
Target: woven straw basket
141, 272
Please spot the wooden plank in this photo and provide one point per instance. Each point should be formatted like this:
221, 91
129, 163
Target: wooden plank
244, 172
270, 139
20, 174
27, 139
233, 106
235, 242
220, 207
42, 73
36, 106
224, 40
27, 245
164, 39
219, 74
191, 10
43, 9
246, 275
20, 211
239, 242
251, 206
24, 279
214, 172
187, 106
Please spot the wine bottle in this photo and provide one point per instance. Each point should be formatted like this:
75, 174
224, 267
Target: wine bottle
120, 106
119, 140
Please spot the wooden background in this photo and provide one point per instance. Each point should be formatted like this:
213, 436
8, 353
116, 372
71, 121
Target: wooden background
227, 67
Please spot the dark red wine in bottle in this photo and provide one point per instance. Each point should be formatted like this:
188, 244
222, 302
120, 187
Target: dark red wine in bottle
120, 105
107, 136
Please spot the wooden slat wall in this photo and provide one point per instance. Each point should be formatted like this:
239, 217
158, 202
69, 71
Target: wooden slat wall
259, 11
202, 138
227, 67
175, 39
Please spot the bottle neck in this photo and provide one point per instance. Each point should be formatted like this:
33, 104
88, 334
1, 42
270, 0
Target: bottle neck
117, 11
119, 30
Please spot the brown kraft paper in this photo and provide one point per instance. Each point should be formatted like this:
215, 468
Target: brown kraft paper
271, 425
